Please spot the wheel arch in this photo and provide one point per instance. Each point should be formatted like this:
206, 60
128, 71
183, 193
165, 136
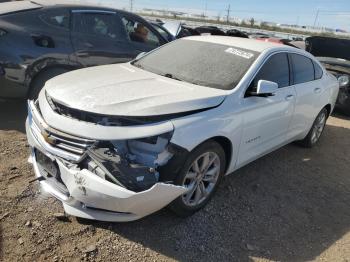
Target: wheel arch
49, 68
46, 69
329, 109
226, 145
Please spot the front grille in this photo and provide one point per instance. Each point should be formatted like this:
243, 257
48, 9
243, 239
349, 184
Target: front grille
72, 145
61, 141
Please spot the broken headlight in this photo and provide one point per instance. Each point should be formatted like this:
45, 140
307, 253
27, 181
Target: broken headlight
130, 163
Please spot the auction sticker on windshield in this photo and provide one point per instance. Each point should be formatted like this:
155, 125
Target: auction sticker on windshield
240, 53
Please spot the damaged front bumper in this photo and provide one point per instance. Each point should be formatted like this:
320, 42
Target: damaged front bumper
84, 193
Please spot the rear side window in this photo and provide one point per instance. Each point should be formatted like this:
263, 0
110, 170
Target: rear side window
275, 69
303, 69
56, 18
318, 71
98, 24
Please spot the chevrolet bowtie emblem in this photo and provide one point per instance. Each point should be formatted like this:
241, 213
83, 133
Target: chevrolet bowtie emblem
48, 138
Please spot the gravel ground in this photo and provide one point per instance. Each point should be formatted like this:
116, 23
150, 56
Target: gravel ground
291, 205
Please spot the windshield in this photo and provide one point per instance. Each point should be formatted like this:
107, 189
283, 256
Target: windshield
201, 63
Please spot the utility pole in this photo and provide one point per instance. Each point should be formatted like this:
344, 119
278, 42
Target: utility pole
131, 5
206, 8
228, 13
318, 11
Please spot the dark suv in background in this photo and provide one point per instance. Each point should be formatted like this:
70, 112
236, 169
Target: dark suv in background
40, 41
334, 54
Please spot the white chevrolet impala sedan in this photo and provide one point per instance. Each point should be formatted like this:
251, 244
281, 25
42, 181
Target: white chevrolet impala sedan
119, 142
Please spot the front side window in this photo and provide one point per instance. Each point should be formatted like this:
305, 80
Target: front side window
98, 24
303, 69
139, 32
163, 32
201, 63
275, 69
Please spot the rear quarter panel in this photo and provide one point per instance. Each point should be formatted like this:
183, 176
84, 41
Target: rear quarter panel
21, 58
330, 93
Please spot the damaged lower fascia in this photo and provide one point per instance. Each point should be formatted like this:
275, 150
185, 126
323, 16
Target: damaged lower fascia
134, 164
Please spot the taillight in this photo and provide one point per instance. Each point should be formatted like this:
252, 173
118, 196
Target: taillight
2, 32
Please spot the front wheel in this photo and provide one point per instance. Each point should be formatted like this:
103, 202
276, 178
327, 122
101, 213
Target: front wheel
201, 175
316, 130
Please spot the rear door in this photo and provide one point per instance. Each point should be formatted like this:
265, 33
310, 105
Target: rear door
308, 89
99, 37
266, 119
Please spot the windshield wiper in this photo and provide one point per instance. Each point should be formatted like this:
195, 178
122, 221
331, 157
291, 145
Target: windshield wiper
137, 65
172, 77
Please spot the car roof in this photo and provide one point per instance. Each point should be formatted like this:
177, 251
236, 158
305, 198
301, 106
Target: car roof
61, 2
81, 5
65, 3
10, 7
244, 43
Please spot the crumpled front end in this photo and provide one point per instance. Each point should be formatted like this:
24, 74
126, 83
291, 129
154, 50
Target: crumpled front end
104, 179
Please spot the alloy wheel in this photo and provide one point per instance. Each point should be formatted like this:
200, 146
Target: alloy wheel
318, 127
201, 178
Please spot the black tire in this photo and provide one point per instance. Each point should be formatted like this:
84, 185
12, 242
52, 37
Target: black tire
308, 141
39, 81
178, 205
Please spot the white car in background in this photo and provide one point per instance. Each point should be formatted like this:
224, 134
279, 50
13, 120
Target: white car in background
119, 142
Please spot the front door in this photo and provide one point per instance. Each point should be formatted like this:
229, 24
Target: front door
266, 119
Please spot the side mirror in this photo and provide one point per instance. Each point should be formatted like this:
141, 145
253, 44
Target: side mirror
343, 80
266, 88
140, 55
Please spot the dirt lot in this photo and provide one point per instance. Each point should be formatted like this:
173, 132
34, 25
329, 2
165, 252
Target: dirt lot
292, 205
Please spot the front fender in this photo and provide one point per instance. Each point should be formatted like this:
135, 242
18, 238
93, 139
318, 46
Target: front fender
191, 131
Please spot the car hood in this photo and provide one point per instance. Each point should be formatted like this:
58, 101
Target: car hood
124, 90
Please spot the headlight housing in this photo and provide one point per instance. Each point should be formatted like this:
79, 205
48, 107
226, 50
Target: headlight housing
129, 163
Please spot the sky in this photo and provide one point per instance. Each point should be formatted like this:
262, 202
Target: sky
331, 13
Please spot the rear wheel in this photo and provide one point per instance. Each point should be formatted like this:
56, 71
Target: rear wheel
201, 175
316, 130
40, 80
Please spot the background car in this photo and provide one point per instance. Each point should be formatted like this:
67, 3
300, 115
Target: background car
179, 30
236, 33
212, 30
334, 54
40, 41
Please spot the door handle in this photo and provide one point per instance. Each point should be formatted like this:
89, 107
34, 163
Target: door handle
317, 90
289, 97
82, 54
